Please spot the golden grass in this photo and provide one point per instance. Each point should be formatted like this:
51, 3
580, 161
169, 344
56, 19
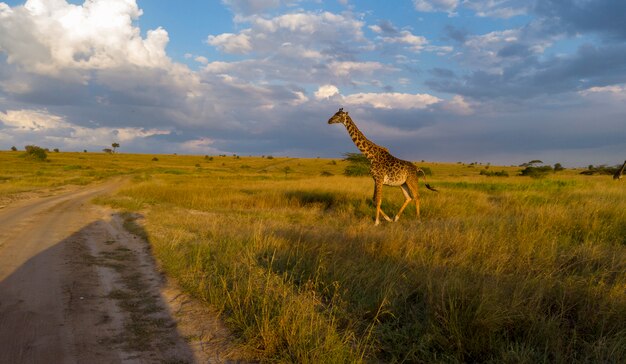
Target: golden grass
500, 269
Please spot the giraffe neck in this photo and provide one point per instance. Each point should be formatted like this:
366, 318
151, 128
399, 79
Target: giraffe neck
369, 149
621, 170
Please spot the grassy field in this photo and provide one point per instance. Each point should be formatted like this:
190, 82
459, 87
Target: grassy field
499, 269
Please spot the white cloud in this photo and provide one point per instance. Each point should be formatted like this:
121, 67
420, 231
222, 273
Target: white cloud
458, 105
497, 8
392, 100
200, 146
614, 92
46, 37
347, 68
483, 8
28, 124
231, 43
414, 42
201, 60
267, 35
326, 91
448, 6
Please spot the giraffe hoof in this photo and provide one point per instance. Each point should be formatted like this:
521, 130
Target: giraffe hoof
396, 218
377, 222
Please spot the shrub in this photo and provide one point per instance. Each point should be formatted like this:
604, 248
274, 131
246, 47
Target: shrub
358, 165
487, 173
56, 150
155, 159
36, 153
13, 148
536, 172
601, 169
558, 167
326, 174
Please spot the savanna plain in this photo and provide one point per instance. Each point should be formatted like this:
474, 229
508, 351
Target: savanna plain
498, 270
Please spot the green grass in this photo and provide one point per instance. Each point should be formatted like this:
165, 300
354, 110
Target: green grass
499, 270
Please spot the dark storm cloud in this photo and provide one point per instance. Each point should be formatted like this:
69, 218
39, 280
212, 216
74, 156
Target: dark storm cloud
442, 72
456, 34
606, 17
387, 27
590, 66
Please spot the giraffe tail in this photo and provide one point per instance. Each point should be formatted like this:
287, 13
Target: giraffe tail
419, 170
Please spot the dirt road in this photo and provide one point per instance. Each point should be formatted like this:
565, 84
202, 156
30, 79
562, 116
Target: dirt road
76, 287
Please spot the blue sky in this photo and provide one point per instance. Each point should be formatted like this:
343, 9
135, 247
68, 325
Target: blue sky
501, 81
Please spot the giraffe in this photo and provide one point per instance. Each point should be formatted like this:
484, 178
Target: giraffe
385, 168
620, 172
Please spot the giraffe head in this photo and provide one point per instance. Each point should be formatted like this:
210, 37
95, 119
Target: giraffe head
339, 117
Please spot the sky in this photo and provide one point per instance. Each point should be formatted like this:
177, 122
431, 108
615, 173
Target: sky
490, 81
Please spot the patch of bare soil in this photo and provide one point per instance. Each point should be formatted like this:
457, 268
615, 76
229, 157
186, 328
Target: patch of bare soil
77, 287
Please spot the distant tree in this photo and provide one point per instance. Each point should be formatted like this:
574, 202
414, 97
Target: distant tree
115, 146
558, 167
107, 150
358, 165
489, 173
84, 150
56, 150
36, 153
536, 171
13, 148
601, 169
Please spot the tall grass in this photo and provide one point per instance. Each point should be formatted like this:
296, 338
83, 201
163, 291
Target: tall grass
507, 270
499, 270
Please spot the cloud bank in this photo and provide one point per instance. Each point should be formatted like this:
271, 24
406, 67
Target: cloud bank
538, 79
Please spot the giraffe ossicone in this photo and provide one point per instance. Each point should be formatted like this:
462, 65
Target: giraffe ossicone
385, 168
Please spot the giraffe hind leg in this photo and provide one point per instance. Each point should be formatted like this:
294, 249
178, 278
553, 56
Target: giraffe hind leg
407, 196
412, 184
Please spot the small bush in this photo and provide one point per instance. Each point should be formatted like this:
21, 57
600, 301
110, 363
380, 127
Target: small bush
487, 173
14, 149
326, 174
36, 153
358, 165
155, 159
269, 157
536, 172
601, 170
56, 150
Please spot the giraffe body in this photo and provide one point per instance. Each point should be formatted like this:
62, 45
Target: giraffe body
620, 172
385, 168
